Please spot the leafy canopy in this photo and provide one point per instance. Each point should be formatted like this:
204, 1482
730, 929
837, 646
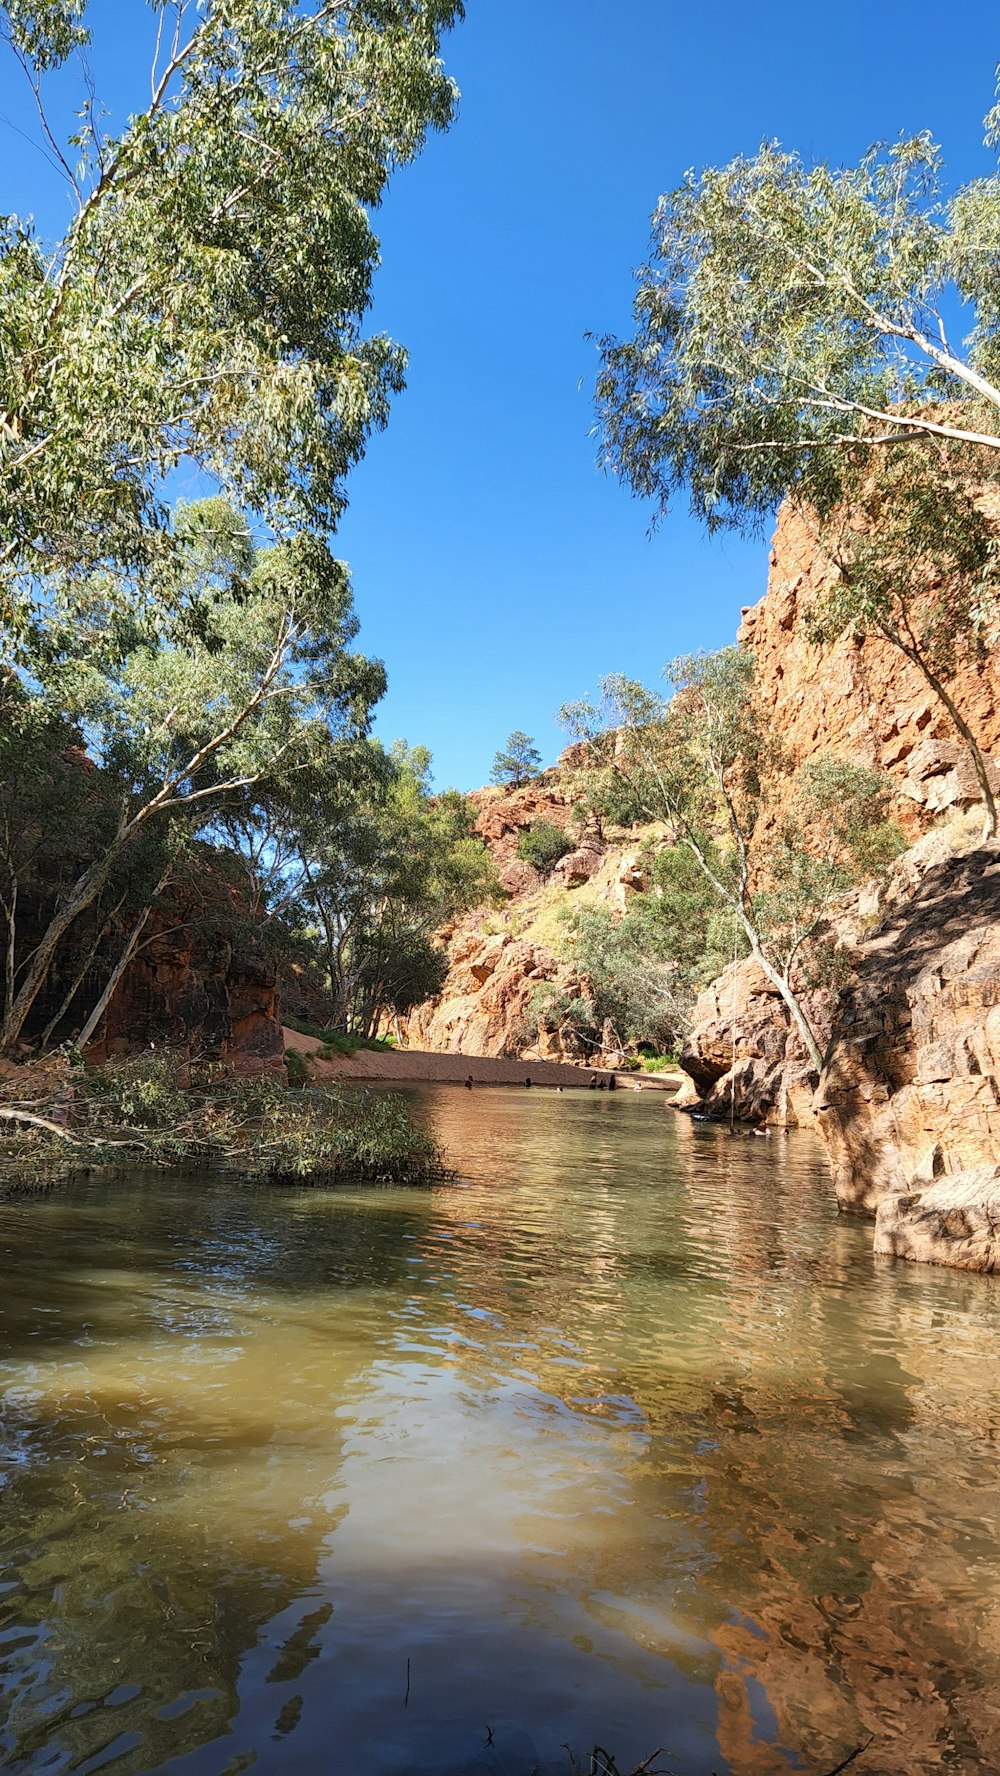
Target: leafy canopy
204, 303
700, 761
520, 760
792, 320
542, 844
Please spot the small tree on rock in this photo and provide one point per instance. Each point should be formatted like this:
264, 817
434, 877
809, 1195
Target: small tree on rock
520, 761
698, 760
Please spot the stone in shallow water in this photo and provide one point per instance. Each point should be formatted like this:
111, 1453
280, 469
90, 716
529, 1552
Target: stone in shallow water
953, 1220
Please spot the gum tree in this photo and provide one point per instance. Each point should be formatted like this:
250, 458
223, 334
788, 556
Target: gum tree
791, 323
204, 303
696, 760
793, 337
184, 726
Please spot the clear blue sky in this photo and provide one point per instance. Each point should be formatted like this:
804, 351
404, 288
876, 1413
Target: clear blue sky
496, 570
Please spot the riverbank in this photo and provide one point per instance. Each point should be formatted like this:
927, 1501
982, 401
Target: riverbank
153, 1111
421, 1067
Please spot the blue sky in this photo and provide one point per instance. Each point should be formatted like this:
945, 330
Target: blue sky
496, 571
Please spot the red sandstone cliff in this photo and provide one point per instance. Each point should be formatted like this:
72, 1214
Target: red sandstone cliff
860, 699
198, 985
909, 1100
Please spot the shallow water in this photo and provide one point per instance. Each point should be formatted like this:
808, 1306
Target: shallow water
624, 1439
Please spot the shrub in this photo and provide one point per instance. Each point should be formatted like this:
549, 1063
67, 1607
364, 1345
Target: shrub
541, 844
296, 1066
140, 1113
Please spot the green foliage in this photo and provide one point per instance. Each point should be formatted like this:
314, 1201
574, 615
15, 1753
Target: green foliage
145, 1094
541, 844
648, 967
555, 1008
338, 1042
204, 720
520, 761
375, 863
919, 564
204, 307
701, 761
840, 834
791, 337
296, 1066
144, 1111
790, 325
205, 301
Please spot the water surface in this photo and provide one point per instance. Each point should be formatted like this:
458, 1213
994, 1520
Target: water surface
625, 1438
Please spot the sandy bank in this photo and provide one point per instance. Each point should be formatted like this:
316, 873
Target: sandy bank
453, 1069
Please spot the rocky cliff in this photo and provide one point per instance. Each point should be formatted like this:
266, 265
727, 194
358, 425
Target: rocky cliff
198, 984
908, 1100
860, 698
498, 960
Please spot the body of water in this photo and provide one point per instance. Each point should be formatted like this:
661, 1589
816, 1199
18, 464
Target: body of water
623, 1439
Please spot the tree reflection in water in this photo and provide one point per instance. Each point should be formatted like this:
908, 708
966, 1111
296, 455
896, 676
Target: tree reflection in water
625, 1437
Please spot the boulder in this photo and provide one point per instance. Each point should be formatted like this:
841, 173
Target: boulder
953, 1221
745, 1056
577, 867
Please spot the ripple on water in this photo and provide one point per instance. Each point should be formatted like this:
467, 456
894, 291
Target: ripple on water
625, 1439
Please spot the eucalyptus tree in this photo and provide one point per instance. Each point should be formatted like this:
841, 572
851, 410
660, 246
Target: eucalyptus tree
378, 882
255, 676
700, 760
792, 323
203, 305
793, 337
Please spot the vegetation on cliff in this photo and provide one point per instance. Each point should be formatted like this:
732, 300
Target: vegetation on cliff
793, 340
701, 761
178, 689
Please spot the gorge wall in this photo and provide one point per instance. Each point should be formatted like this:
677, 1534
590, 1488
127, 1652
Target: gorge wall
909, 1102
199, 984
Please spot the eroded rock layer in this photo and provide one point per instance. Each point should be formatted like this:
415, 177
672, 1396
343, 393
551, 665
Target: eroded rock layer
861, 699
909, 1096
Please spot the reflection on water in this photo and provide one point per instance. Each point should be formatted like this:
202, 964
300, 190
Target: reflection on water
624, 1438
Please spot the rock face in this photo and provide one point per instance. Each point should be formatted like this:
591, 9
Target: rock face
861, 699
191, 989
909, 1099
744, 1054
486, 1008
954, 1222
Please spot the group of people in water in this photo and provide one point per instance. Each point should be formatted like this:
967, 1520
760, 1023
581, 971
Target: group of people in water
595, 1083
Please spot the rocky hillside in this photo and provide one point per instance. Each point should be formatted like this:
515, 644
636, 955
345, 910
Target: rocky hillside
859, 698
498, 959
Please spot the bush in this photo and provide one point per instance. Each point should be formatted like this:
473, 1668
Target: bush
541, 844
144, 1112
338, 1042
